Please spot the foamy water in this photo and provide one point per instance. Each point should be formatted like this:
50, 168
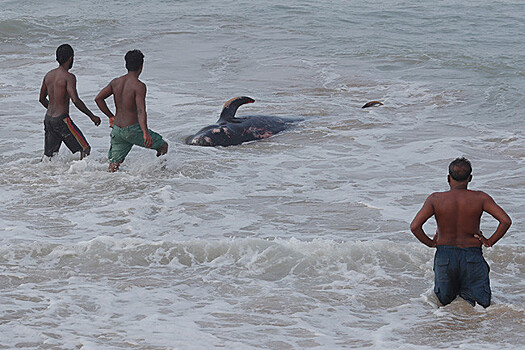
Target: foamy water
299, 241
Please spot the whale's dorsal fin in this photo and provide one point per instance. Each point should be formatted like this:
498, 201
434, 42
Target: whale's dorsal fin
230, 108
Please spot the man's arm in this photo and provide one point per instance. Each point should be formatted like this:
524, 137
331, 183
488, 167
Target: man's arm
140, 101
73, 94
100, 100
490, 206
419, 220
43, 94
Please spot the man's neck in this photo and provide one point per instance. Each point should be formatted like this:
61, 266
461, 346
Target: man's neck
134, 74
458, 185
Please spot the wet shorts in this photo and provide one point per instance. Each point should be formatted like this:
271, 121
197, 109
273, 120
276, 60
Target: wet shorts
122, 139
62, 128
463, 272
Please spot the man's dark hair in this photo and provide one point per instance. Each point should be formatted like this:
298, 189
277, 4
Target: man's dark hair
134, 60
460, 169
64, 52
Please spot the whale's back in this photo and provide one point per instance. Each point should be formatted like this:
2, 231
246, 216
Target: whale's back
243, 129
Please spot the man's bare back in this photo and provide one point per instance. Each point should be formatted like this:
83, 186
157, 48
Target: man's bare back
458, 214
61, 87
129, 95
56, 83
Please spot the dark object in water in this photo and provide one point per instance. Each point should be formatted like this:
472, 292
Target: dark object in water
372, 104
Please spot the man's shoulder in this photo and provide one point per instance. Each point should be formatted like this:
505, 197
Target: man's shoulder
478, 193
59, 75
446, 195
141, 83
471, 195
434, 198
139, 86
131, 82
65, 75
115, 82
117, 79
437, 194
51, 73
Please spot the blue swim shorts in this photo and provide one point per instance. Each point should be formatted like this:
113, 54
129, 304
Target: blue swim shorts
463, 272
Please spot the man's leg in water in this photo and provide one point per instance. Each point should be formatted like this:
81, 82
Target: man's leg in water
119, 148
85, 152
162, 149
73, 138
114, 166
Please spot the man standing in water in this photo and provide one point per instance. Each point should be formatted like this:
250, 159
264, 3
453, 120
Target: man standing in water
61, 87
459, 266
130, 120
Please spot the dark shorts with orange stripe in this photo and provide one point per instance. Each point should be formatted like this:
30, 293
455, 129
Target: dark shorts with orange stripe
62, 129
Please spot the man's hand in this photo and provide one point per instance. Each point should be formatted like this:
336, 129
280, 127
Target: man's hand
111, 121
148, 141
434, 240
482, 239
95, 120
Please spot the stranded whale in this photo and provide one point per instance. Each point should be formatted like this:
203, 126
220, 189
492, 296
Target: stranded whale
229, 130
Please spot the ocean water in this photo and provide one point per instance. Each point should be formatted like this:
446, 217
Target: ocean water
300, 241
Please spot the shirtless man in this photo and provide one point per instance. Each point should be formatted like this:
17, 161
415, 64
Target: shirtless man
459, 266
61, 87
130, 120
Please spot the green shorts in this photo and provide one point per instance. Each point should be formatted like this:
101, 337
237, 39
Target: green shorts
122, 139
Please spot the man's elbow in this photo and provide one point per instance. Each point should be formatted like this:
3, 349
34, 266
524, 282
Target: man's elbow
414, 227
76, 101
507, 222
99, 98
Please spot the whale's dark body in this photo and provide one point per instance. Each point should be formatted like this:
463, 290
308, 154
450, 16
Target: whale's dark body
229, 131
